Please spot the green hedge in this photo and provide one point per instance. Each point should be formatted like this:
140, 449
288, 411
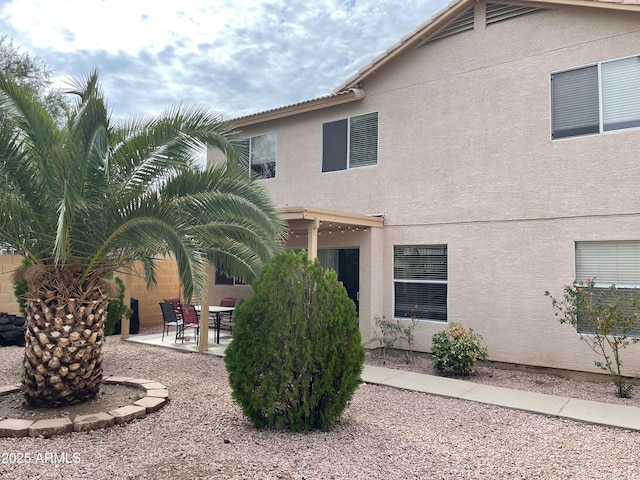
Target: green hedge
296, 356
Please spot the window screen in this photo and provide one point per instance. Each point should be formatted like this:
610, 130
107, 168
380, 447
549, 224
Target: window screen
575, 102
334, 146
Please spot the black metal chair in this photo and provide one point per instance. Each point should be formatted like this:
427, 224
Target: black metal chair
175, 302
226, 317
170, 318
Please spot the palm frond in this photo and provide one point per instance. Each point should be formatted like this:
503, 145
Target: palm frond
104, 195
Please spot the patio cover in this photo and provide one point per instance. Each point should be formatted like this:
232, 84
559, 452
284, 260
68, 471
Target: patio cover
313, 220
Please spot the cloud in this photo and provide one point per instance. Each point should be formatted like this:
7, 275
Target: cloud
235, 56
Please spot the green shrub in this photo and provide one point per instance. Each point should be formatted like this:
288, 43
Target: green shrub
116, 309
393, 334
457, 348
605, 318
296, 355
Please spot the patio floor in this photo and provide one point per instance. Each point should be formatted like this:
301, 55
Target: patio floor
189, 344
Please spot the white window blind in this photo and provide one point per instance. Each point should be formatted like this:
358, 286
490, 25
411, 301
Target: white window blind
609, 263
420, 282
621, 93
363, 140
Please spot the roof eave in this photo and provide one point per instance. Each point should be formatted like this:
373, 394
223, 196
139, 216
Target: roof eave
609, 4
449, 13
422, 33
337, 98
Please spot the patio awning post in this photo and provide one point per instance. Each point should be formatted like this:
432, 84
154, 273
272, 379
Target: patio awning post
312, 243
203, 343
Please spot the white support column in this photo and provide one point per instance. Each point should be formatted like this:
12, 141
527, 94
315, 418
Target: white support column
203, 343
312, 242
372, 289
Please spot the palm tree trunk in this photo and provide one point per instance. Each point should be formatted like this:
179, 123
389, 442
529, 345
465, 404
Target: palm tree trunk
63, 349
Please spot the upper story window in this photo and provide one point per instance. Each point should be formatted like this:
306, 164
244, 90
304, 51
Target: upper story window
260, 155
350, 143
223, 279
596, 98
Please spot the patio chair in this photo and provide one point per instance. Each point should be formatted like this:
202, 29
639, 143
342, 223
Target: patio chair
226, 317
189, 320
170, 318
175, 303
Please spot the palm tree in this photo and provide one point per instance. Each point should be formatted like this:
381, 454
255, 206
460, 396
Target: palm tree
87, 199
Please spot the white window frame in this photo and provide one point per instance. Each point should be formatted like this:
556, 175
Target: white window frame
349, 166
601, 126
608, 263
423, 281
249, 164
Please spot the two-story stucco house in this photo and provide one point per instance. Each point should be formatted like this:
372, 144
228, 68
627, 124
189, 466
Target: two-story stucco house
488, 156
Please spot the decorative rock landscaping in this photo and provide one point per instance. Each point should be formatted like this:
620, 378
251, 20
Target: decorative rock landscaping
156, 396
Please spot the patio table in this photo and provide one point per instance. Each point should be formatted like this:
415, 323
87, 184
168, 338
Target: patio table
215, 311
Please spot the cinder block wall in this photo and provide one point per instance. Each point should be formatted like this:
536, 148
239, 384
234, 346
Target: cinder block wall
168, 286
8, 303
149, 310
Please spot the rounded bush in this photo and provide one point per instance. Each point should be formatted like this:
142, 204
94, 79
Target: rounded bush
296, 355
457, 348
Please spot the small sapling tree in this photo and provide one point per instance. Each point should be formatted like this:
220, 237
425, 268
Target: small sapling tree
392, 334
605, 320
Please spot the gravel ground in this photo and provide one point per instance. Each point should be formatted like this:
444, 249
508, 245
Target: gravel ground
384, 434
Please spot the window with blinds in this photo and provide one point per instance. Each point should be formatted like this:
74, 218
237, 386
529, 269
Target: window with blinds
595, 99
575, 102
420, 282
258, 154
621, 94
350, 143
609, 263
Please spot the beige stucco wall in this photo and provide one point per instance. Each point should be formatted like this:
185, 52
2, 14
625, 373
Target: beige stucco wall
466, 159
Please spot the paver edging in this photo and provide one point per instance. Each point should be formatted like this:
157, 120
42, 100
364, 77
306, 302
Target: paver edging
17, 427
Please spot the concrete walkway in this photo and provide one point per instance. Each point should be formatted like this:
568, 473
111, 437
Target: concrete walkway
599, 413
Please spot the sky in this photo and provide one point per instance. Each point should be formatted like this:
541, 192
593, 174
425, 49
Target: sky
235, 57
